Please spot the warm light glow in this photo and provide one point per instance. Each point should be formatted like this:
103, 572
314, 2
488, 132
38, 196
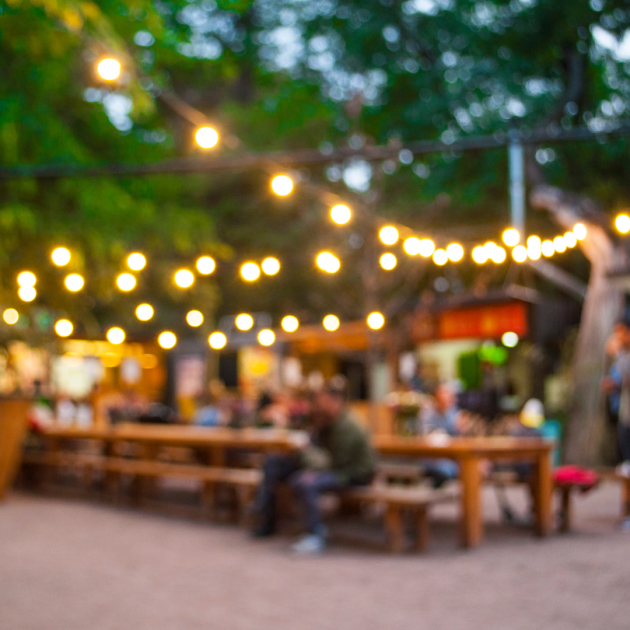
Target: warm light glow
217, 340
194, 318
328, 262
10, 316
511, 237
144, 312
427, 247
206, 137
250, 271
489, 248
389, 235
579, 229
266, 337
440, 257
559, 244
126, 282
244, 321
479, 254
340, 214
455, 252
60, 256
498, 255
64, 328
167, 340
26, 279
388, 261
412, 246
108, 69
547, 248
533, 242
622, 223
375, 320
290, 323
270, 266
519, 253
510, 339
331, 322
533, 253
74, 282
570, 240
115, 335
27, 294
184, 278
206, 265
282, 185
136, 261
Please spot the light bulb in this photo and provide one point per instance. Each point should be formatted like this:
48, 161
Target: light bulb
26, 279
388, 261
194, 318
167, 340
340, 214
270, 266
60, 256
375, 320
136, 261
206, 265
388, 235
108, 69
427, 247
266, 337
217, 340
206, 137
328, 262
115, 335
511, 237
331, 322
184, 278
126, 282
74, 282
144, 312
440, 257
10, 316
64, 328
282, 185
290, 323
455, 252
479, 254
244, 321
412, 246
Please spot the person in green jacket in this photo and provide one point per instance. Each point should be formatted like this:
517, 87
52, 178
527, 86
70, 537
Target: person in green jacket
338, 456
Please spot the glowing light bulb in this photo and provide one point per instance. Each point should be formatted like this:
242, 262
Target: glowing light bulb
340, 214
533, 253
412, 246
266, 337
570, 240
427, 247
10, 316
622, 223
144, 312
64, 327
455, 252
270, 266
389, 235
26, 279
194, 318
331, 322
290, 323
27, 294
511, 237
116, 335
328, 262
479, 254
375, 320
579, 229
560, 244
74, 282
126, 282
184, 278
217, 340
282, 185
547, 248
244, 321
510, 339
250, 272
167, 340
206, 265
498, 255
519, 253
388, 261
60, 256
108, 69
206, 137
440, 257
533, 242
136, 261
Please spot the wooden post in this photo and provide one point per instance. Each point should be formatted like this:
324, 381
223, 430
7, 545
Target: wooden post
422, 522
471, 520
543, 492
395, 528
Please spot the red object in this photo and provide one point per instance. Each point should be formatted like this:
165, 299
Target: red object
489, 321
582, 478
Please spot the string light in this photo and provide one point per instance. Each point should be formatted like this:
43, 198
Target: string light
184, 278
622, 223
194, 318
74, 282
116, 335
559, 244
64, 328
510, 339
570, 240
10, 316
340, 214
60, 256
167, 340
217, 340
498, 255
440, 257
455, 252
534, 247
282, 185
126, 282
412, 246
290, 323
519, 253
389, 235
375, 320
427, 247
108, 69
331, 323
27, 294
206, 137
26, 279
270, 266
136, 261
579, 229
328, 262
547, 248
388, 261
250, 271
266, 337
511, 237
206, 265
244, 321
479, 254
144, 312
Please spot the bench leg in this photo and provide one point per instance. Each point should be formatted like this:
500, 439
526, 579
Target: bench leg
208, 498
422, 523
565, 509
394, 525
245, 497
625, 505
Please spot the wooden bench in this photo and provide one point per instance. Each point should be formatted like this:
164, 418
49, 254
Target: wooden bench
388, 472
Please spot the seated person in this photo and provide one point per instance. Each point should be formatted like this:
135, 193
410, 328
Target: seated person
338, 456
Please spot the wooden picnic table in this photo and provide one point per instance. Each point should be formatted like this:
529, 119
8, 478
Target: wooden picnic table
467, 452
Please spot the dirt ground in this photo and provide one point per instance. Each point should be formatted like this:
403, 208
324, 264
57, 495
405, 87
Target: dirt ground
73, 565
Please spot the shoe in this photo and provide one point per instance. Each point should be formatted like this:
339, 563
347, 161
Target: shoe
312, 544
623, 470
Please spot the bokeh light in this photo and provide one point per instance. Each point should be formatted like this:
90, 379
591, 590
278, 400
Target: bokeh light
126, 282
64, 327
455, 252
116, 335
250, 272
510, 339
331, 322
136, 261
206, 137
144, 312
282, 185
622, 223
10, 316
570, 240
340, 214
440, 257
579, 229
184, 278
270, 266
559, 244
388, 235
27, 294
427, 247
206, 265
290, 323
26, 279
60, 256
74, 282
498, 255
511, 237
375, 320
479, 254
328, 262
244, 321
194, 318
519, 253
108, 69
547, 248
167, 340
388, 261
217, 340
412, 246
266, 337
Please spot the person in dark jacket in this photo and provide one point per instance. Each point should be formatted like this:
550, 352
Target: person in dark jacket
338, 456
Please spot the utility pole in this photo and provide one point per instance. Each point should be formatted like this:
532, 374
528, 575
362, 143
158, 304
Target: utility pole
517, 182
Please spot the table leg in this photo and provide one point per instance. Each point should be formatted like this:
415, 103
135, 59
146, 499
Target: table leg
471, 522
217, 456
625, 501
543, 491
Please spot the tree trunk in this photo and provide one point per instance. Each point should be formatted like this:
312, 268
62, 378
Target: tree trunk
603, 304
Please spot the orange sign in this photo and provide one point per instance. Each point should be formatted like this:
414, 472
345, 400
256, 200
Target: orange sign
489, 321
